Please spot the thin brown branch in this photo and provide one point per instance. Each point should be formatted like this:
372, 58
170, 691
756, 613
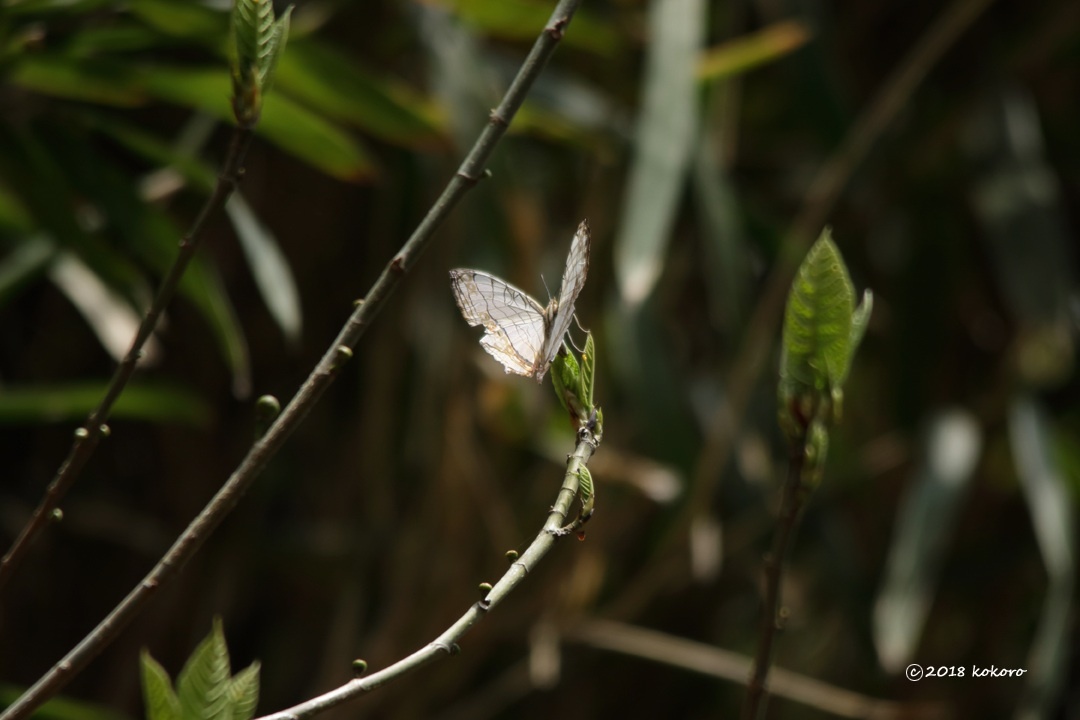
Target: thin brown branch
790, 504
446, 644
313, 387
89, 435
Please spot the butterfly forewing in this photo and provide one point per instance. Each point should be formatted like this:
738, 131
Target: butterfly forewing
519, 332
515, 324
573, 280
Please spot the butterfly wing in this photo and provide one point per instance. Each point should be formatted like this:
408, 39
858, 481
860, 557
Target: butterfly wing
573, 280
515, 325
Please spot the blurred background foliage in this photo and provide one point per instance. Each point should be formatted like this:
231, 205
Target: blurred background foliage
692, 135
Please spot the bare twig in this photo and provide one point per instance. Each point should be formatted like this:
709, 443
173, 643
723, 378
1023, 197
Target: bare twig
446, 644
89, 435
313, 387
790, 503
727, 665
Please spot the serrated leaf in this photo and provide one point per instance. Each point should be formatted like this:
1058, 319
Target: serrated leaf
818, 321
251, 22
244, 692
588, 371
585, 485
273, 49
160, 700
566, 379
203, 685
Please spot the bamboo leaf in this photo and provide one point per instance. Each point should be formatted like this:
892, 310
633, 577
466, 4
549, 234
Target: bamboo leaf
94, 80
743, 54
666, 136
926, 518
152, 402
269, 267
285, 123
335, 85
27, 262
192, 21
523, 19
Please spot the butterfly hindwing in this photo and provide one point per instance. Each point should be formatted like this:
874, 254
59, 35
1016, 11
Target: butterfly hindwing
515, 324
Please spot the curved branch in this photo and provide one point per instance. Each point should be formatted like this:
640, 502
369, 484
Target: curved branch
446, 644
313, 387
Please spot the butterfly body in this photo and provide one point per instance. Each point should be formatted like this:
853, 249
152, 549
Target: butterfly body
521, 333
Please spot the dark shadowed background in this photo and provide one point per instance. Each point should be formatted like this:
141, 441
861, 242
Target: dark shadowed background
706, 143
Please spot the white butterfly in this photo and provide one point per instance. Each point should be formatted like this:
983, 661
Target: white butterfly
519, 332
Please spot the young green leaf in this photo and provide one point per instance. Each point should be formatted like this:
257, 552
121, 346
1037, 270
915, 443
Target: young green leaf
817, 324
258, 41
244, 692
203, 684
822, 329
586, 492
161, 701
273, 49
588, 371
566, 379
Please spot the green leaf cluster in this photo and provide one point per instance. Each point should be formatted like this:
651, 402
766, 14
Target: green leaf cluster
205, 689
574, 381
258, 40
822, 331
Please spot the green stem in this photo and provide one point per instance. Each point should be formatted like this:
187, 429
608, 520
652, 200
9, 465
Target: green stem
89, 435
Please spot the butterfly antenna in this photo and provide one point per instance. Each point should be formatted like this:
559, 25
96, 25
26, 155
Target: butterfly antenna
571, 336
546, 288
